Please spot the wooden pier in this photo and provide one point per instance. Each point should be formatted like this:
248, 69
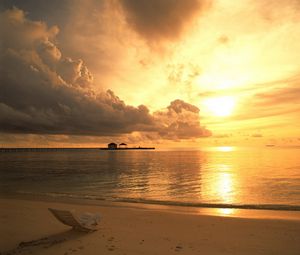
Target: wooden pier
131, 148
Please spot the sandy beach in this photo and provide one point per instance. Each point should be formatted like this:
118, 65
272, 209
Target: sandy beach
27, 227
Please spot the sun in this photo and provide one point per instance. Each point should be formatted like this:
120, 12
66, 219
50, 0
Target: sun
220, 106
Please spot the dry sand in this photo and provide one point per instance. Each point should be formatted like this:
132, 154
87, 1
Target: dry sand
28, 228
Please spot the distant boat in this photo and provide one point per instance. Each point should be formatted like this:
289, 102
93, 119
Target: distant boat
270, 145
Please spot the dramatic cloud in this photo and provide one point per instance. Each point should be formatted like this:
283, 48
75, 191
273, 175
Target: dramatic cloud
44, 92
155, 20
180, 120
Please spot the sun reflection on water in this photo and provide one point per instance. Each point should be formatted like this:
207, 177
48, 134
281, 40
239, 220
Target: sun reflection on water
226, 211
222, 185
225, 148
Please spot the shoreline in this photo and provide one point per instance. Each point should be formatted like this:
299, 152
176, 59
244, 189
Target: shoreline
281, 211
126, 228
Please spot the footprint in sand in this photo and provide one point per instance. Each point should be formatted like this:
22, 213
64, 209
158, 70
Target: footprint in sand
110, 239
111, 248
178, 248
73, 250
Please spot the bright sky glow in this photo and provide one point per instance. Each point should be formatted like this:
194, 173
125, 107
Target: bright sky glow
220, 106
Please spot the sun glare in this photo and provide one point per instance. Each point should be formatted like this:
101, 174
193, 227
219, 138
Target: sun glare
220, 106
225, 148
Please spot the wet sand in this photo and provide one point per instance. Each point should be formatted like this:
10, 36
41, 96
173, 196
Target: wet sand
27, 227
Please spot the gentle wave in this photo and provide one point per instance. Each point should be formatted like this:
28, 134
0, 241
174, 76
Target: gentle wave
276, 207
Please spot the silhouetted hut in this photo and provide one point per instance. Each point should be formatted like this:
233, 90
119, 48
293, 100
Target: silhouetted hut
112, 146
122, 145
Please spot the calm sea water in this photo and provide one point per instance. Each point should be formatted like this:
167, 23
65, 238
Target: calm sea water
242, 177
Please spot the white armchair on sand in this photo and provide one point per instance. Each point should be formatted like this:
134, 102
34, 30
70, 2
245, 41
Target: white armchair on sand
86, 222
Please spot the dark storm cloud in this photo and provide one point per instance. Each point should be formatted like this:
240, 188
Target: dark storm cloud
44, 92
53, 12
155, 20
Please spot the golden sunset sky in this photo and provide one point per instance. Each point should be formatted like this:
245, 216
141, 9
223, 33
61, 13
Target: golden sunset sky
159, 72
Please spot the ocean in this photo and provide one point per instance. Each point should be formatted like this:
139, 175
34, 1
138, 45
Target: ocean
229, 177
